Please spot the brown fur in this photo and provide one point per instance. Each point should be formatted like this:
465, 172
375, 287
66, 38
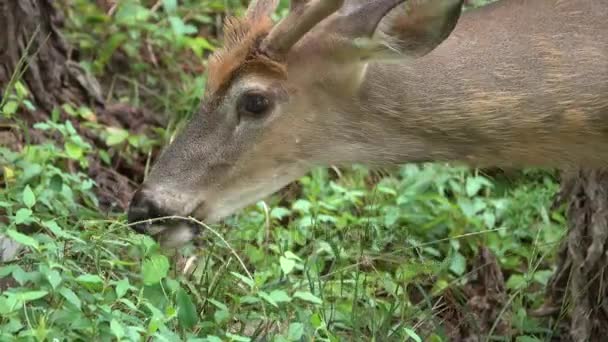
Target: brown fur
240, 51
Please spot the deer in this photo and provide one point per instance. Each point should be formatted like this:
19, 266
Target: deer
513, 84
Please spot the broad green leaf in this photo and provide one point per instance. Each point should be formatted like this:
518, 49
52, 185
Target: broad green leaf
458, 264
213, 338
71, 297
89, 278
218, 304
221, 316
516, 281
116, 136
54, 278
279, 212
29, 199
90, 281
154, 269
122, 286
10, 108
290, 255
186, 311
23, 215
267, 298
302, 206
279, 296
30, 295
73, 150
22, 238
117, 329
237, 338
170, 5
308, 297
287, 265
295, 331
6, 270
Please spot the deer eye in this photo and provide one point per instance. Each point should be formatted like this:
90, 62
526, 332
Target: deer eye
255, 104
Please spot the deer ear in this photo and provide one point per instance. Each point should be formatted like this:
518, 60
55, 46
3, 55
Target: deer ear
259, 9
394, 29
418, 27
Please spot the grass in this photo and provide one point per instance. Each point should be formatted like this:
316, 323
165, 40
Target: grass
351, 254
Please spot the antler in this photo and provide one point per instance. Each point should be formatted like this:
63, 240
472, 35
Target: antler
361, 17
303, 16
261, 8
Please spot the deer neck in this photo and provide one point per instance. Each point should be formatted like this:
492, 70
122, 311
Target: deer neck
487, 97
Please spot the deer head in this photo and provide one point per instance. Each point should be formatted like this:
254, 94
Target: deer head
279, 101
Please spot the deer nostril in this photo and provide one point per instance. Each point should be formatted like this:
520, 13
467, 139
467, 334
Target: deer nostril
142, 208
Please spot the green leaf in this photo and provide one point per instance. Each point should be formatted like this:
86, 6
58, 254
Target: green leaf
29, 199
56, 183
10, 108
458, 264
411, 333
170, 5
22, 238
90, 281
71, 297
117, 329
279, 296
89, 278
267, 298
295, 331
237, 338
73, 151
122, 286
516, 281
116, 136
186, 311
290, 255
155, 269
23, 215
279, 212
8, 304
244, 279
54, 278
213, 338
308, 297
217, 304
287, 265
302, 206
30, 295
221, 316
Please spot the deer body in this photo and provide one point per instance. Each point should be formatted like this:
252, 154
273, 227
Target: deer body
516, 83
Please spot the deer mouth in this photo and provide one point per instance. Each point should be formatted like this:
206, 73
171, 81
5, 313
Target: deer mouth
168, 229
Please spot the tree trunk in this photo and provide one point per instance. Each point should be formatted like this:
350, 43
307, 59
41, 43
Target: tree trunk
30, 32
578, 289
33, 51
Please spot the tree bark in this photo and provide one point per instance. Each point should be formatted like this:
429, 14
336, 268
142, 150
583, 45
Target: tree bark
33, 51
578, 289
30, 31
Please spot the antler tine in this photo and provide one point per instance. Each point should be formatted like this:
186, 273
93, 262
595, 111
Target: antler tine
295, 4
260, 8
301, 19
372, 10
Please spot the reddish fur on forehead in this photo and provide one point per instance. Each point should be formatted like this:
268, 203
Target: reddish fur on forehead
240, 51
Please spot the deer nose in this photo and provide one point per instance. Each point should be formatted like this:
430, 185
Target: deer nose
142, 209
